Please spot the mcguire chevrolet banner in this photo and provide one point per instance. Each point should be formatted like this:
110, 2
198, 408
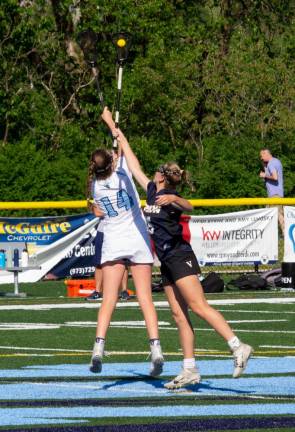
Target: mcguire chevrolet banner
246, 237
49, 241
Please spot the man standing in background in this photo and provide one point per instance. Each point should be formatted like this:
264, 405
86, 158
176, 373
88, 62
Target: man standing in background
274, 182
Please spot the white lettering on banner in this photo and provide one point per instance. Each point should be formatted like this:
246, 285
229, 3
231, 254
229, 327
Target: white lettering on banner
81, 251
29, 238
286, 280
236, 238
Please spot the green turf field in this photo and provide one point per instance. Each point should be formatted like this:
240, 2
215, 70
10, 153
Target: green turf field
45, 346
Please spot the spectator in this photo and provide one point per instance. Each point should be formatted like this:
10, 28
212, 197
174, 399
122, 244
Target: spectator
274, 181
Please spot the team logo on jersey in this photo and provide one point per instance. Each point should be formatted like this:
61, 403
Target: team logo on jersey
189, 263
152, 209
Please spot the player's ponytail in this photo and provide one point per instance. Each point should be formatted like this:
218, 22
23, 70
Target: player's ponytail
172, 173
100, 167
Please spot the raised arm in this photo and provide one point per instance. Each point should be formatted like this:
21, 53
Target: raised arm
131, 159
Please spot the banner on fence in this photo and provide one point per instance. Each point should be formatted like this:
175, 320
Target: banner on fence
289, 240
65, 246
49, 242
246, 237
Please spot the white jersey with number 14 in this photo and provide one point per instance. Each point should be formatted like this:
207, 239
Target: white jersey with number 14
124, 226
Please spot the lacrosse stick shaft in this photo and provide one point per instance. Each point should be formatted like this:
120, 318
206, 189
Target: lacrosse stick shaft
118, 101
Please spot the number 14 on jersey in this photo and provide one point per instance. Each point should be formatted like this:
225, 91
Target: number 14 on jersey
124, 200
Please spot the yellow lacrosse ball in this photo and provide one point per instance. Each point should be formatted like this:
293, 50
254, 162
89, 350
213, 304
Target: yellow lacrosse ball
121, 43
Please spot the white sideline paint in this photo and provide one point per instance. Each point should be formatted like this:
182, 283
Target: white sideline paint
229, 302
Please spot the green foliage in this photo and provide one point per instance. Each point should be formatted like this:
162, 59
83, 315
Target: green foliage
208, 84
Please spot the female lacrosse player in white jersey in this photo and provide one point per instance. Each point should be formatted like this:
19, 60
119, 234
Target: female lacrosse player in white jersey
126, 241
179, 266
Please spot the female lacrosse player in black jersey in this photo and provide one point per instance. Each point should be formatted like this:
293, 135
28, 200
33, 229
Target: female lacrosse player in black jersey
179, 266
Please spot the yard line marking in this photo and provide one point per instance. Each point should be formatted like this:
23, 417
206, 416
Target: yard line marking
48, 306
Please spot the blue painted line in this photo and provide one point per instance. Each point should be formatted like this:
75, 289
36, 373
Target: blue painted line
121, 388
270, 365
39, 416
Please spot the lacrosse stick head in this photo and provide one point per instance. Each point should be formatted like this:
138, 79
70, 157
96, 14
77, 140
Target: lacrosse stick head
122, 42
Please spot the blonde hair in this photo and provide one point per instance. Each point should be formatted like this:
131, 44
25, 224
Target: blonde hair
175, 176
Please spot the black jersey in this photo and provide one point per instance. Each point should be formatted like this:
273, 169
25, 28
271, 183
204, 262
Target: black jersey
164, 224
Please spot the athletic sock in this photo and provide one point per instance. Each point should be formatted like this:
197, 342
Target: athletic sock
100, 340
189, 363
155, 342
234, 343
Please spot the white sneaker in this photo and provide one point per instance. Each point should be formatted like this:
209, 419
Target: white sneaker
188, 376
241, 357
96, 359
157, 360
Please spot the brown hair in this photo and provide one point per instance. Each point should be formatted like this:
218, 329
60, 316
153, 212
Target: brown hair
100, 167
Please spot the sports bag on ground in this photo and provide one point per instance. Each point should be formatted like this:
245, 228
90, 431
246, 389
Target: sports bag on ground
248, 282
212, 283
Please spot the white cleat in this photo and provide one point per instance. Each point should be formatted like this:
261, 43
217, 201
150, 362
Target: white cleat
241, 357
157, 360
96, 359
187, 377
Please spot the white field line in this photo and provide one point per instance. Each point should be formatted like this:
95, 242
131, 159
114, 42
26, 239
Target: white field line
255, 321
256, 311
8, 347
29, 326
39, 307
277, 346
42, 349
163, 325
138, 324
250, 331
207, 352
44, 326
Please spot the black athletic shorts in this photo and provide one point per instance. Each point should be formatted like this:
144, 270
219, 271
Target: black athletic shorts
179, 265
98, 246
